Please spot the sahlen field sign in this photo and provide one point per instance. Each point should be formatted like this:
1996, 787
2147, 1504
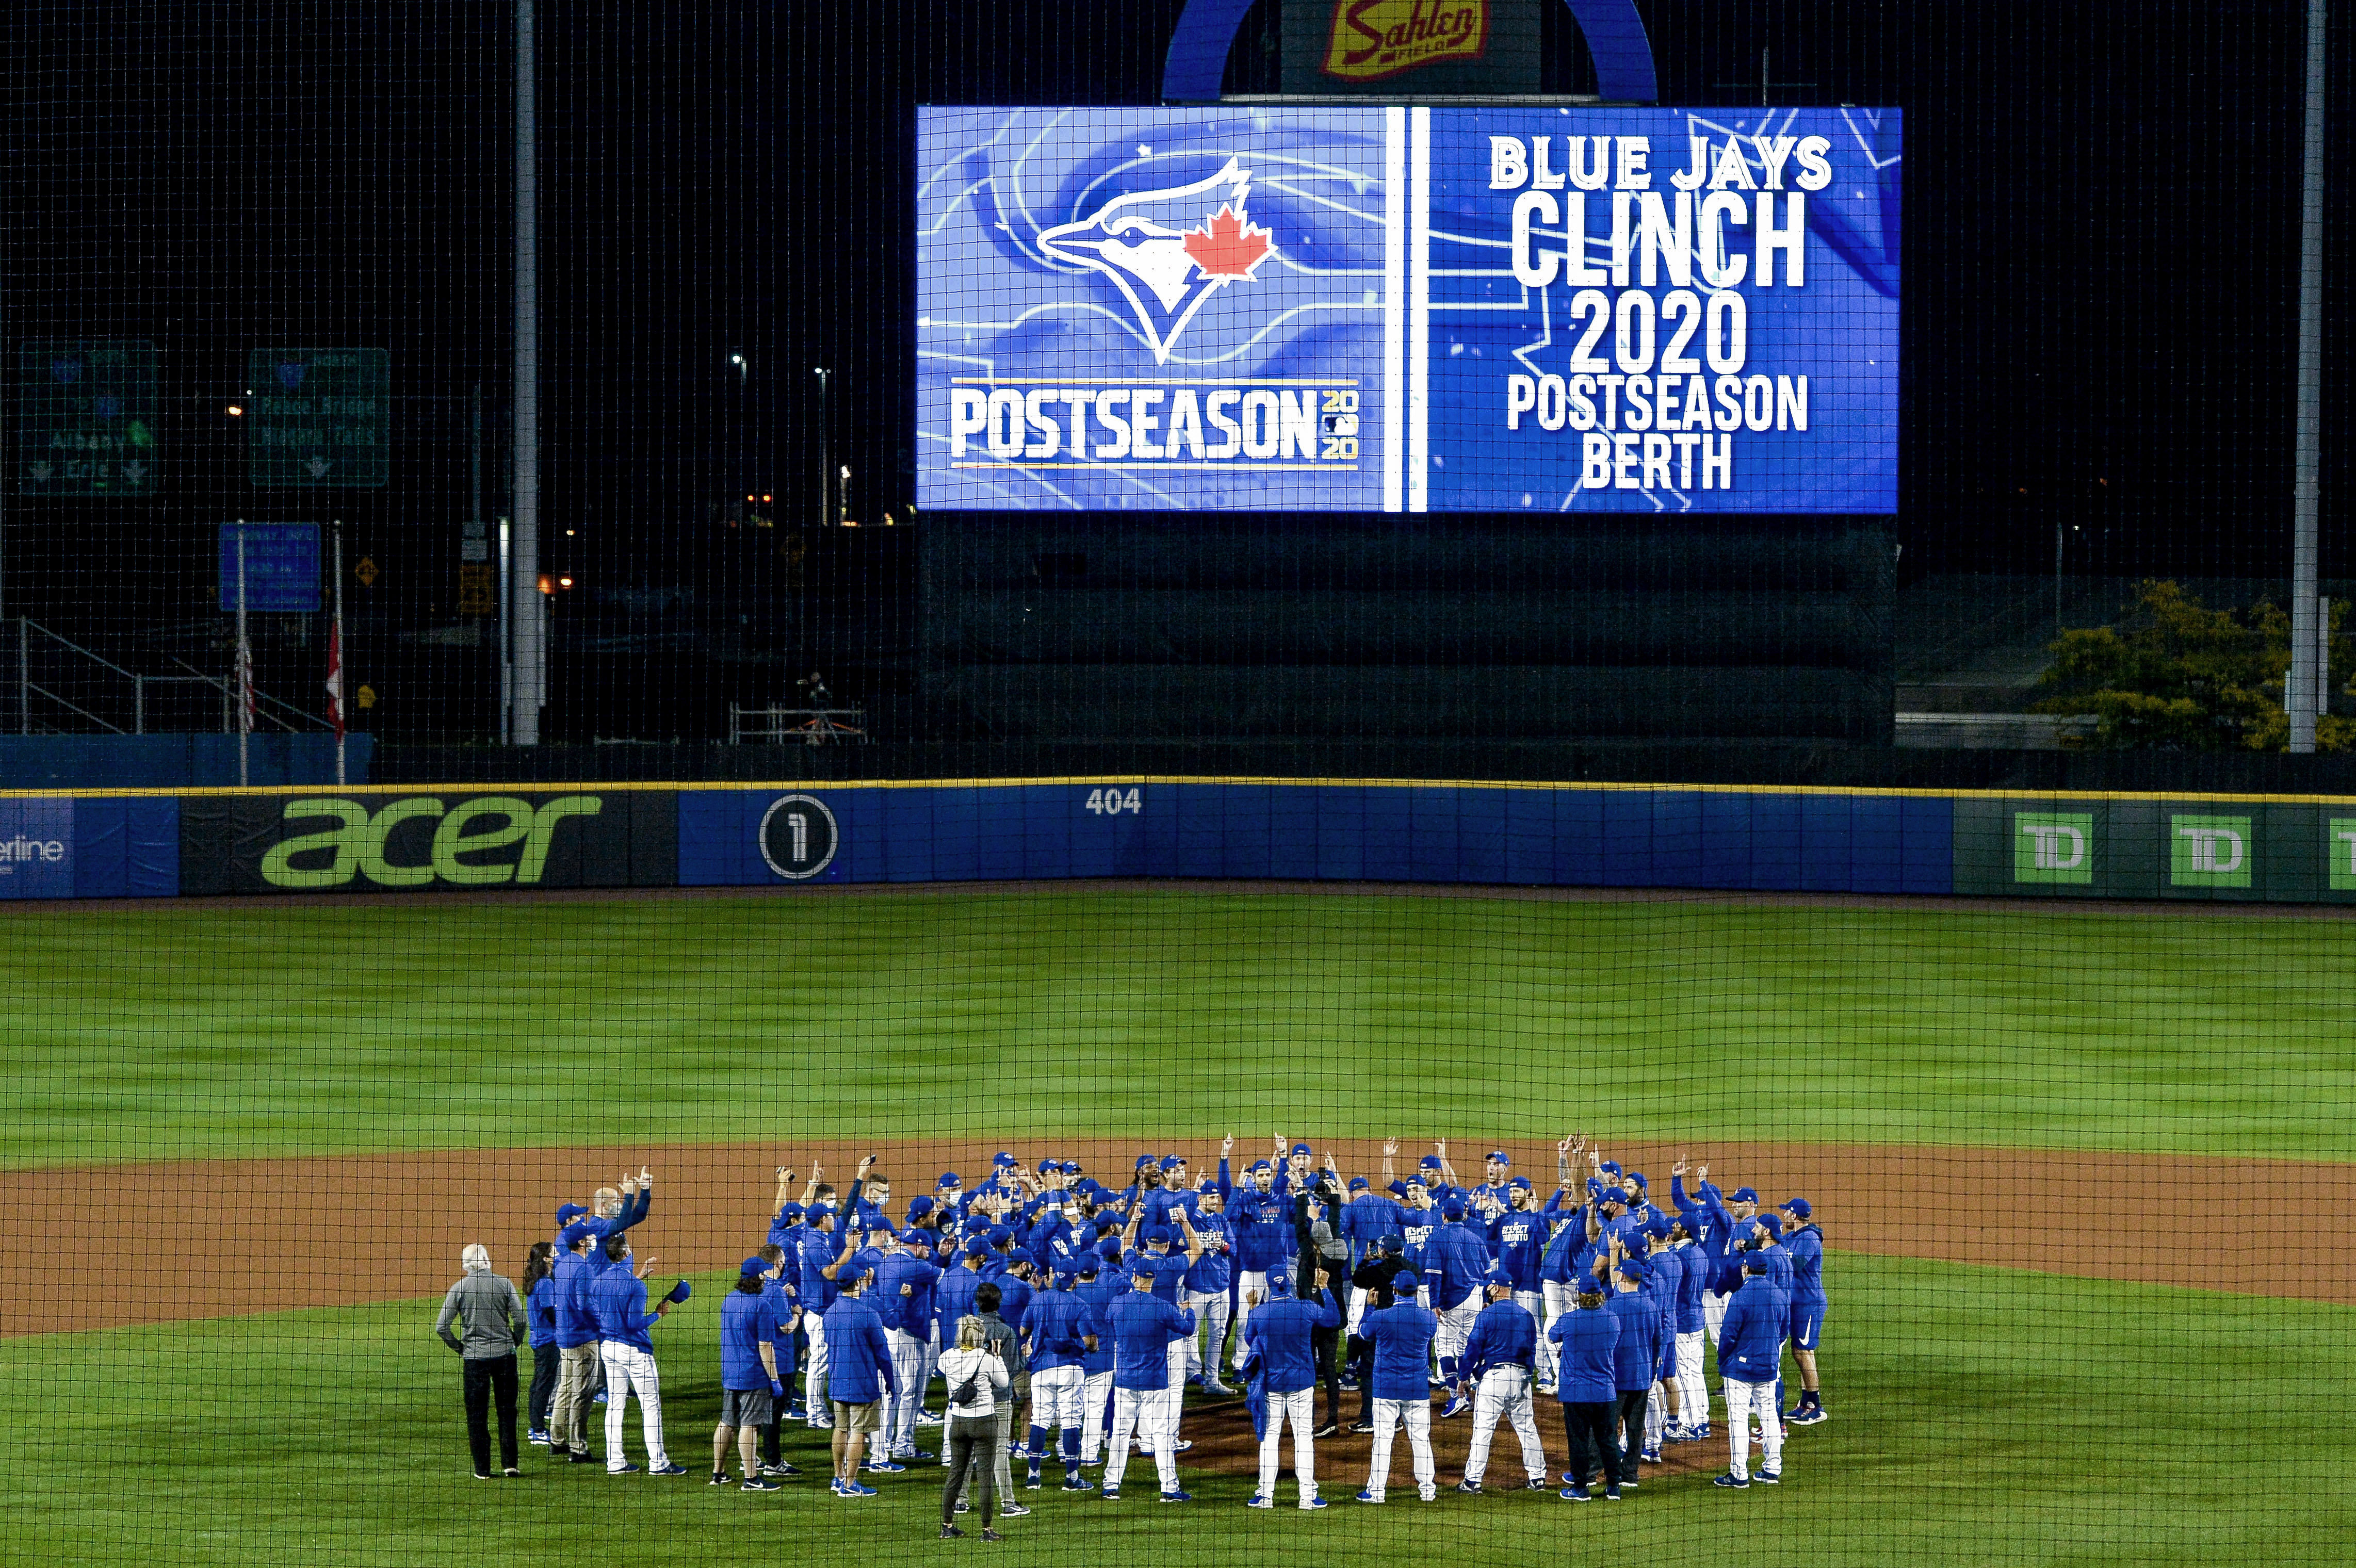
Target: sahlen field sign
1408, 309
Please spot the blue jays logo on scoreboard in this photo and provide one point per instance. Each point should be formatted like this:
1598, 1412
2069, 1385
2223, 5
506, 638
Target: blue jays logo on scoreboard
1394, 309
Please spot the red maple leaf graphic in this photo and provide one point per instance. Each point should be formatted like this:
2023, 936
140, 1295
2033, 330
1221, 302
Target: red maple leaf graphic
1229, 245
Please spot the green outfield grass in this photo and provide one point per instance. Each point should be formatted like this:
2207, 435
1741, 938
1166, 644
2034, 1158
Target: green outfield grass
1981, 1416
186, 1029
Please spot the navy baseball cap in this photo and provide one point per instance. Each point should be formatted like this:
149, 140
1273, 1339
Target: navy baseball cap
1172, 1161
1498, 1277
755, 1265
1451, 1210
1021, 1255
568, 1212
1357, 1184
1414, 1179
573, 1234
1156, 1236
1658, 1230
1754, 1263
1088, 1264
1064, 1281
1743, 1195
1001, 1233
1428, 1162
1798, 1206
851, 1275
1108, 1249
977, 1248
1769, 1219
1139, 1268
919, 1207
1523, 1182
1395, 1242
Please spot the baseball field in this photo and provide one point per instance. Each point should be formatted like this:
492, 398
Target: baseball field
2080, 1172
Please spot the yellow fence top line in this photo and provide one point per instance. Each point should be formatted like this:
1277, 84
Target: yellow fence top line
787, 785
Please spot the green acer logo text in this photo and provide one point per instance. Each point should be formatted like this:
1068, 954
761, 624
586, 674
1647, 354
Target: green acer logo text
474, 845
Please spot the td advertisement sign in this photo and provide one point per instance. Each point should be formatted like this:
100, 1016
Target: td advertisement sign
2126, 847
393, 841
1452, 309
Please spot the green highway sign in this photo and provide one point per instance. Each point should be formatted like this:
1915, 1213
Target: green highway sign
317, 418
86, 418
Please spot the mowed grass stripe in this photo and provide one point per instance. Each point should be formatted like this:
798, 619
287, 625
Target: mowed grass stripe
1981, 1415
194, 1030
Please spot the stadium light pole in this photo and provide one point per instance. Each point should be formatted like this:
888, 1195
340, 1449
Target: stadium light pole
526, 612
2306, 463
825, 454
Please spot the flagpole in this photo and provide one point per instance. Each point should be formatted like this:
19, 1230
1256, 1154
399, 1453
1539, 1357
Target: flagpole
244, 670
340, 681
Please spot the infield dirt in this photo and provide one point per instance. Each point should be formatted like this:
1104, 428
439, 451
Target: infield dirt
221, 1238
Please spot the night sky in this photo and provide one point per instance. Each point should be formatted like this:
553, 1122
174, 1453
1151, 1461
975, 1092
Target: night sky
2100, 291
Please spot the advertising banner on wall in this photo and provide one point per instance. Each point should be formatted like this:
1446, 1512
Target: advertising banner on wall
390, 842
1510, 308
2130, 848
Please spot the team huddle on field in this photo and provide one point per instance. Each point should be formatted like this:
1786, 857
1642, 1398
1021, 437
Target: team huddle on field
1069, 1320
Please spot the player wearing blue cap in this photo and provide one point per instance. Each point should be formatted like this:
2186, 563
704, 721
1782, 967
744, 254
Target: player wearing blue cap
618, 1303
1400, 1336
1419, 1218
1262, 1222
1501, 1361
1208, 1286
1366, 1218
749, 1384
1144, 1327
1282, 1358
1665, 1277
1807, 1246
1101, 1283
1456, 1264
904, 1301
1058, 1329
789, 1316
857, 1378
1517, 1239
576, 1344
1750, 1358
1587, 1336
1635, 1357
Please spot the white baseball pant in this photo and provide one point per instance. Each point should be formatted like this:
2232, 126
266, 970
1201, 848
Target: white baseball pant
1210, 1309
1095, 1393
1143, 1413
1693, 1393
1504, 1391
629, 1370
1557, 1297
822, 1409
1389, 1416
1713, 1312
1247, 1285
1742, 1400
1455, 1330
1056, 1401
1357, 1311
900, 1411
1298, 1407
1656, 1416
1532, 1303
1180, 1352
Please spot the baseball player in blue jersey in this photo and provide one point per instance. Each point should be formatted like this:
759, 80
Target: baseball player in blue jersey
1208, 1286
1807, 1246
1749, 1357
1419, 1219
1059, 1328
1693, 1282
1456, 1262
1635, 1357
1500, 1362
1401, 1336
618, 1303
1144, 1327
1587, 1336
904, 1301
1663, 1413
1099, 1284
1282, 1353
1261, 1224
1517, 1239
576, 1343
749, 1384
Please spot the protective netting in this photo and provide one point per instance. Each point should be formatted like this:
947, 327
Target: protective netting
1432, 786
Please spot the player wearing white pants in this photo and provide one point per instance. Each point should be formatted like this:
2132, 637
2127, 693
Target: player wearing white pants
1249, 1286
1744, 1400
1504, 1393
629, 1370
1454, 1333
908, 1357
1210, 1308
1532, 1303
1096, 1390
1390, 1414
1713, 1313
1556, 1296
814, 1389
1693, 1393
1300, 1408
1056, 1409
1144, 1414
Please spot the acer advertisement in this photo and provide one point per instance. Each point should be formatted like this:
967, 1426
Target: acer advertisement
1253, 308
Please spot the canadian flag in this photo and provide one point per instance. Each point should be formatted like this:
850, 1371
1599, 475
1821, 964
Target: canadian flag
336, 680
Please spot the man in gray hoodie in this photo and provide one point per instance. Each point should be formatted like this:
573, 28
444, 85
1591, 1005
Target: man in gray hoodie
491, 1314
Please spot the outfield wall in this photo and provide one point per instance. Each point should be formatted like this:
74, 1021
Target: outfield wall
395, 838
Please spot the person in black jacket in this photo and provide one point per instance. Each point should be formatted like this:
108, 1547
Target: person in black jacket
1317, 1234
1383, 1263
